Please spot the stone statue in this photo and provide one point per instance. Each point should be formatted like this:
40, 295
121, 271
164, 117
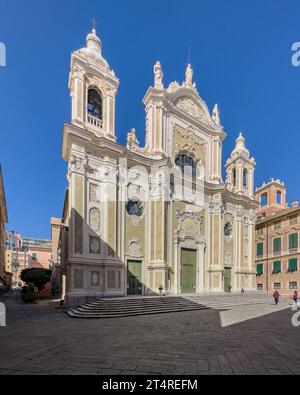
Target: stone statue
132, 141
216, 115
158, 75
189, 75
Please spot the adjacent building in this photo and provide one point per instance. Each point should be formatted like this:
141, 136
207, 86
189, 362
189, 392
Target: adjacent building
4, 277
159, 217
277, 240
23, 253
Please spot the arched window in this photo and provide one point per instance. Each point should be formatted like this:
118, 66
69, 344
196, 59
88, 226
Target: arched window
95, 104
186, 164
234, 176
245, 178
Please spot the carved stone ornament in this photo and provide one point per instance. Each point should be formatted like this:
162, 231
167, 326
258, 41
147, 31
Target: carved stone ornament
228, 259
246, 242
188, 106
190, 135
134, 248
94, 219
189, 225
95, 245
79, 164
216, 205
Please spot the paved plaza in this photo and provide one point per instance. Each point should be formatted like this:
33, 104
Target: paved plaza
42, 339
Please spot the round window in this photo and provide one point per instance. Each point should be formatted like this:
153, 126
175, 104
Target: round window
134, 207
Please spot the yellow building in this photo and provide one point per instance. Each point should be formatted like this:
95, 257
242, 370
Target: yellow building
141, 220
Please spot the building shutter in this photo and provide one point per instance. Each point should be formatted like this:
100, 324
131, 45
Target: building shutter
260, 249
277, 245
277, 267
293, 265
260, 269
293, 241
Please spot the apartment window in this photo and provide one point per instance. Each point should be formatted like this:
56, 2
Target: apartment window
277, 286
293, 285
260, 269
293, 265
260, 249
276, 267
293, 241
277, 225
277, 244
260, 287
260, 231
293, 220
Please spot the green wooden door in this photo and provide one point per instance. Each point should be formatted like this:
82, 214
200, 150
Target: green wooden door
134, 278
227, 280
188, 271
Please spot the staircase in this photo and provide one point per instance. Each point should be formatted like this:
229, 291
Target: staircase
218, 302
135, 306
128, 307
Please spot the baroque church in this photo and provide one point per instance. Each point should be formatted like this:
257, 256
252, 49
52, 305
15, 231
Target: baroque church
159, 218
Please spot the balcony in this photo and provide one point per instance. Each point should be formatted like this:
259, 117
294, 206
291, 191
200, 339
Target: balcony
94, 121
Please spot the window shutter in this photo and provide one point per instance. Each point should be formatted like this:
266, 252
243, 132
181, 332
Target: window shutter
260, 269
277, 267
293, 241
260, 249
277, 245
293, 265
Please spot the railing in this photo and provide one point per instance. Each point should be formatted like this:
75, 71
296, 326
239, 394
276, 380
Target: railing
98, 123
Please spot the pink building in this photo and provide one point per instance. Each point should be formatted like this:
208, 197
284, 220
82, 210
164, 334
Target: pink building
277, 241
40, 256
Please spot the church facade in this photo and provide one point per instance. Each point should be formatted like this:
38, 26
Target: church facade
158, 218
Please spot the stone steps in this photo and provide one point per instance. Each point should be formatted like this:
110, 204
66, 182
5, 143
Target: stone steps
134, 307
225, 301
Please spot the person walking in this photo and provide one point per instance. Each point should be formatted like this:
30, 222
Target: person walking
276, 296
295, 297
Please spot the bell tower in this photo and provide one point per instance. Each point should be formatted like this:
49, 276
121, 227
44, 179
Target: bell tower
240, 170
93, 87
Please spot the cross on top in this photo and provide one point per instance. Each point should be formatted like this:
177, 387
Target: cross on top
94, 23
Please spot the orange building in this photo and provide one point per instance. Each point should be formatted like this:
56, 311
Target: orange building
277, 241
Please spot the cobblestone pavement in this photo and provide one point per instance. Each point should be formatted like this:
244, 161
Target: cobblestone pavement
42, 339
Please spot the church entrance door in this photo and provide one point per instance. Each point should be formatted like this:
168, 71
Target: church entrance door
134, 278
188, 270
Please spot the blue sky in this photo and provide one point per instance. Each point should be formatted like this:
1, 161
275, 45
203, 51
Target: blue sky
240, 52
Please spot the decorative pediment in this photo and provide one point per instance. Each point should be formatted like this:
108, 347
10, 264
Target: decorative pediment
190, 107
194, 109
